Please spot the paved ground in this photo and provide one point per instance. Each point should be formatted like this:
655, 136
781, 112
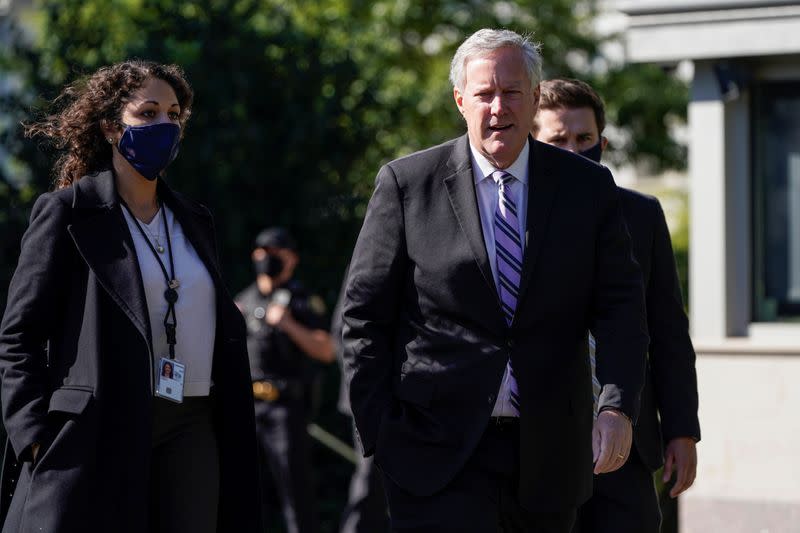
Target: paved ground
710, 516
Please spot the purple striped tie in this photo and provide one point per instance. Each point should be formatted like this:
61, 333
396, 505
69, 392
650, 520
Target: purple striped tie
508, 247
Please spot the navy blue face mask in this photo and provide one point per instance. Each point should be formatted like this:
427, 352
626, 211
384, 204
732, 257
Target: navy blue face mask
151, 148
594, 153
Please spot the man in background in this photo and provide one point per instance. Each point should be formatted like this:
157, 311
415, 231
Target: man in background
286, 332
571, 116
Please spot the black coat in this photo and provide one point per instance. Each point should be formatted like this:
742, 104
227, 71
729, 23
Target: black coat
426, 343
77, 370
669, 398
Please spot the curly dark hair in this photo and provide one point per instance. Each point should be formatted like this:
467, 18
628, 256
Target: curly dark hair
75, 129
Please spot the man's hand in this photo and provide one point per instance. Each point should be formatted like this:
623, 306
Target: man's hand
681, 457
611, 441
277, 315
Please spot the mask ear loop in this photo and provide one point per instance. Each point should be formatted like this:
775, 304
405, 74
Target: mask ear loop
115, 145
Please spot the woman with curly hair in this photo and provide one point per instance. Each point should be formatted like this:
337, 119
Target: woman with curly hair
118, 276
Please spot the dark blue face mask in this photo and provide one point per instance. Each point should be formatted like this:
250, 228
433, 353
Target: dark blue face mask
150, 149
594, 153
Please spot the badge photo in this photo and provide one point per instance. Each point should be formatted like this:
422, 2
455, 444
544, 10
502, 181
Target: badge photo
170, 379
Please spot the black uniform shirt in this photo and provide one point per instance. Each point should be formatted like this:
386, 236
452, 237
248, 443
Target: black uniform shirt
272, 352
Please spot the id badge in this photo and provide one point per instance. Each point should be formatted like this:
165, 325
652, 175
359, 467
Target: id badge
170, 380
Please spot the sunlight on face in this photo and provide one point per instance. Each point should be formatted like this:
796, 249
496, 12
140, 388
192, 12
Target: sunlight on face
155, 102
498, 104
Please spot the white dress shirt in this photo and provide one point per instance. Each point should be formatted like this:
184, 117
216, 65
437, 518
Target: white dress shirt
488, 193
196, 306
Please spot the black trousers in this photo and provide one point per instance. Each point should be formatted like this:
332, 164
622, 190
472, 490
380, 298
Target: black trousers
481, 499
624, 501
184, 471
286, 461
366, 510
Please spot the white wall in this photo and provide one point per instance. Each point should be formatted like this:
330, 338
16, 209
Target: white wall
748, 476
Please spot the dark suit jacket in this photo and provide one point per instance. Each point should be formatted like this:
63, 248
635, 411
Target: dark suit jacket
77, 370
670, 380
426, 343
343, 403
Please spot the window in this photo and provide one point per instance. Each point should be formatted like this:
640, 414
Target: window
776, 194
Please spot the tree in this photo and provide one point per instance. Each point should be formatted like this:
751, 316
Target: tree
315, 93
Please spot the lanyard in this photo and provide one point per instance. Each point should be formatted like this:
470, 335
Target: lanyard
170, 294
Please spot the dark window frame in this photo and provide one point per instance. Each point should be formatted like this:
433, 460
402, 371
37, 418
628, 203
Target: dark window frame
767, 306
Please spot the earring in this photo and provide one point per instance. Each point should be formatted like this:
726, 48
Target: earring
110, 140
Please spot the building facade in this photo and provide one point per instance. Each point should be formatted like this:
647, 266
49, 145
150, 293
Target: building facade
744, 263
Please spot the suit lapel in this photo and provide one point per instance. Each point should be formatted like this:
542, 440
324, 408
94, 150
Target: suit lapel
541, 195
197, 226
102, 237
106, 245
460, 188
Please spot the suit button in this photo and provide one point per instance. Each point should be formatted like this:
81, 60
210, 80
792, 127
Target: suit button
491, 398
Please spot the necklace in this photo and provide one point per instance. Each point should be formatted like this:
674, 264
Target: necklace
171, 293
156, 238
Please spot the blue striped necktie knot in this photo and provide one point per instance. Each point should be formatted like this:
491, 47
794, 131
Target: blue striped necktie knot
501, 177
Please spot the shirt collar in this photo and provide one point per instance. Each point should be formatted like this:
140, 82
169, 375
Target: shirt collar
482, 168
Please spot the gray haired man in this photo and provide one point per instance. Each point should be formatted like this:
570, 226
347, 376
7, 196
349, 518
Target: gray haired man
481, 267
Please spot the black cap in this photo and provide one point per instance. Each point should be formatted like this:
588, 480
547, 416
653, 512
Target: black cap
275, 238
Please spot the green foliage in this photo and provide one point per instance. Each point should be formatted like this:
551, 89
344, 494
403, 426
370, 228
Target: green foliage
680, 246
645, 103
316, 94
675, 203
297, 105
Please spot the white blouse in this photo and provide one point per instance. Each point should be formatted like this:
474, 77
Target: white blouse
196, 305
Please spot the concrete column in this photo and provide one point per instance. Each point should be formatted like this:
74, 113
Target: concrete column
707, 206
719, 203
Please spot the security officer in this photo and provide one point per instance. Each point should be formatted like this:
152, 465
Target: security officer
287, 330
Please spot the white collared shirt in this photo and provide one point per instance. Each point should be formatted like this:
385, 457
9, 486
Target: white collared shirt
196, 305
488, 193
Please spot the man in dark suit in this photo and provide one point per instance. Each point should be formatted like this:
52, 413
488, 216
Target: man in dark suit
571, 116
480, 268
